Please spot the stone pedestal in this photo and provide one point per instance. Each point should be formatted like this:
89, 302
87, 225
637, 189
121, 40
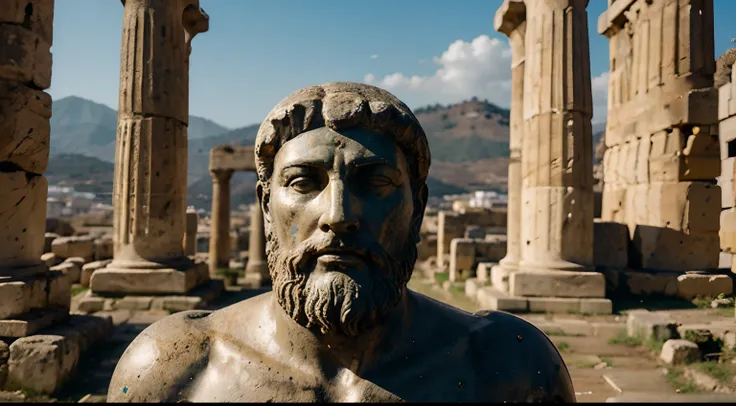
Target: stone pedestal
257, 264
190, 232
151, 153
220, 246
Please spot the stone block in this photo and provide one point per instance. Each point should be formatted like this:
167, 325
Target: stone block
32, 321
727, 192
25, 57
676, 352
25, 126
462, 258
727, 232
134, 303
471, 287
610, 244
73, 271
77, 246
642, 282
690, 286
557, 284
613, 205
596, 306
20, 295
427, 247
91, 303
724, 97
41, 363
650, 326
22, 218
489, 298
59, 226
103, 248
607, 330
667, 249
50, 259
553, 305
89, 268
39, 20
677, 156
725, 261
59, 290
147, 281
491, 248
690, 207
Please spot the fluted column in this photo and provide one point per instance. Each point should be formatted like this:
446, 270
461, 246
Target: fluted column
557, 202
150, 180
220, 225
257, 264
511, 21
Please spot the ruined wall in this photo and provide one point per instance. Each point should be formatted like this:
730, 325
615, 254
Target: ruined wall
662, 153
727, 141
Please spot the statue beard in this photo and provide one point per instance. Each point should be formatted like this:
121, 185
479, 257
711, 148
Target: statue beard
350, 303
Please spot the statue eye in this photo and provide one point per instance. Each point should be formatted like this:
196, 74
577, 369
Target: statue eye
303, 184
379, 181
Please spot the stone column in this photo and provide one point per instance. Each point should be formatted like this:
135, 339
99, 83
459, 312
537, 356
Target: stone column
31, 296
151, 153
190, 234
257, 264
510, 20
557, 173
220, 225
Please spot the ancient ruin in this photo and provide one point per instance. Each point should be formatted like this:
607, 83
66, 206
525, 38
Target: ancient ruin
224, 160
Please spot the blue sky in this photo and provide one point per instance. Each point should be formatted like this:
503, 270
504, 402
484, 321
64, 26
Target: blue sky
258, 51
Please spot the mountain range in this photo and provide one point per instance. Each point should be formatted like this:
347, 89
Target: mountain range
468, 142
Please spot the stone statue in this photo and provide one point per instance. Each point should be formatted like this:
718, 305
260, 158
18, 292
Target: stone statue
342, 171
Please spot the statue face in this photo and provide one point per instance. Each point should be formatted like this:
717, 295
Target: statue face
339, 217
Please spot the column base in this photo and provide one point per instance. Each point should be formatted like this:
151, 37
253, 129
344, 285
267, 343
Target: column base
258, 268
115, 280
45, 362
493, 299
198, 298
554, 283
500, 275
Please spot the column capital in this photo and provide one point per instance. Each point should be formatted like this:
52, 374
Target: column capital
221, 175
509, 16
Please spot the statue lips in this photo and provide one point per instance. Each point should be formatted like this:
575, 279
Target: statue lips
344, 257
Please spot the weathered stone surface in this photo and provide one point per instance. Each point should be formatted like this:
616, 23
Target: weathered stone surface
483, 271
22, 218
146, 281
690, 286
71, 269
35, 15
25, 126
553, 305
134, 303
30, 322
557, 284
650, 326
190, 232
676, 351
451, 225
462, 258
59, 226
89, 268
493, 299
668, 249
24, 57
34, 291
611, 241
639, 282
727, 233
50, 259
103, 248
4, 355
500, 277
78, 246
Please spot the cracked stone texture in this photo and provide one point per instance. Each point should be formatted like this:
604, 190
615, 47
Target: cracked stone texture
24, 56
36, 15
25, 127
22, 218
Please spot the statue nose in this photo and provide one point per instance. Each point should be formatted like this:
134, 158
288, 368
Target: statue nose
339, 215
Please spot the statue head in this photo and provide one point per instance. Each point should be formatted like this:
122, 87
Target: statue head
342, 171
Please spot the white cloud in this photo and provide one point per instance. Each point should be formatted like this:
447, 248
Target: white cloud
480, 68
374, 56
599, 87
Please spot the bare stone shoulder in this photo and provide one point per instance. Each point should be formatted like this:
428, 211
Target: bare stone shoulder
506, 345
161, 362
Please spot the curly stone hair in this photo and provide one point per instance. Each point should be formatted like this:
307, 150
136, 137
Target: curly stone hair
341, 106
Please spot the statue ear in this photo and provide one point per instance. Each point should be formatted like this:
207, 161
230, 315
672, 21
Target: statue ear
420, 204
263, 200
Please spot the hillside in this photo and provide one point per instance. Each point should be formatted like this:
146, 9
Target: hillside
80, 126
468, 141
